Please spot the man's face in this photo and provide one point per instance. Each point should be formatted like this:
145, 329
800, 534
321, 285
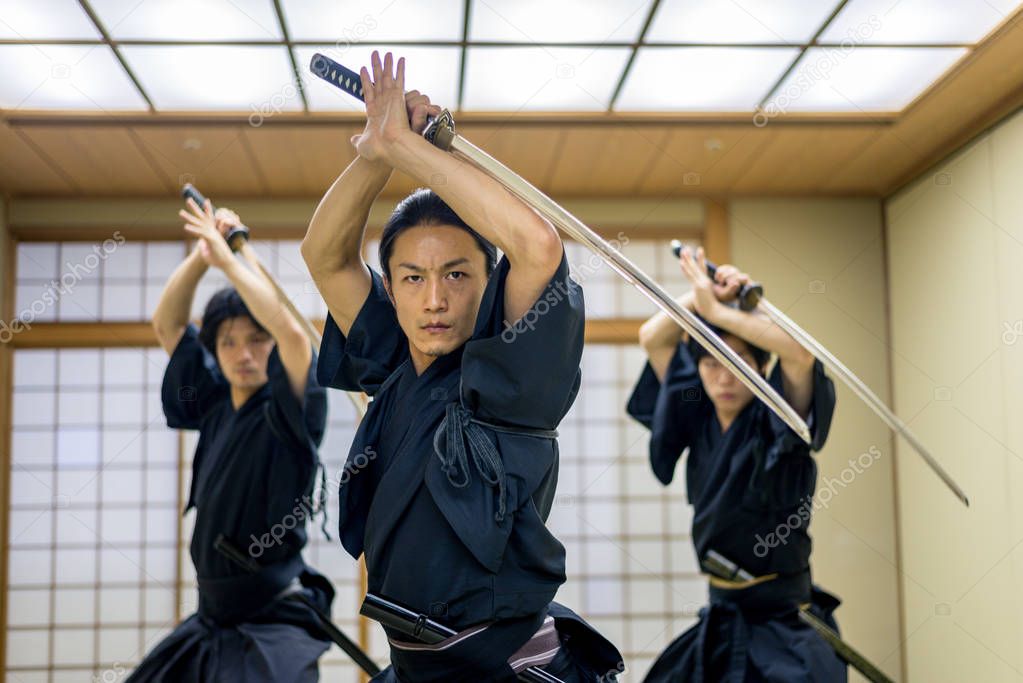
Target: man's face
243, 351
726, 392
438, 276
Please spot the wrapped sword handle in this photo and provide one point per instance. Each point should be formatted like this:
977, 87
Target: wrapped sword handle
236, 236
749, 295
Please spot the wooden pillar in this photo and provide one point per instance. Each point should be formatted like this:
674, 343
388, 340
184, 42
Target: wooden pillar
717, 241
7, 282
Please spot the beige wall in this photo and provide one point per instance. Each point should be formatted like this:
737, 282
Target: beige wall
822, 262
955, 240
3, 254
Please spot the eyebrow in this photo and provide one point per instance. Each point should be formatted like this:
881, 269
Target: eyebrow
419, 269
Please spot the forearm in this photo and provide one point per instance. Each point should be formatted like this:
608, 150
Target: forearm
758, 329
250, 257
332, 247
293, 346
175, 305
261, 301
660, 330
660, 335
482, 202
795, 361
335, 235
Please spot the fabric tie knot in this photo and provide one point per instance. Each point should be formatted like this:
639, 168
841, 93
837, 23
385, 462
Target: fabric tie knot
460, 429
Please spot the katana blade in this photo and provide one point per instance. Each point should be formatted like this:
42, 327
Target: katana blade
580, 232
441, 133
751, 296
863, 391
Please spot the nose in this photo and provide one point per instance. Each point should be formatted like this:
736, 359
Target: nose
725, 378
436, 298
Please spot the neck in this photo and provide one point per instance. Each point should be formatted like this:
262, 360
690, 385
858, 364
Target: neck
725, 418
239, 395
420, 360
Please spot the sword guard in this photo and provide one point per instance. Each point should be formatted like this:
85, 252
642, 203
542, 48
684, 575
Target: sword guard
237, 237
440, 132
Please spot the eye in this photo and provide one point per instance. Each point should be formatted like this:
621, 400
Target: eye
413, 278
456, 275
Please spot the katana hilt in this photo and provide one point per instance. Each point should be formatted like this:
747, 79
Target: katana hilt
440, 131
749, 295
236, 236
716, 564
337, 74
426, 630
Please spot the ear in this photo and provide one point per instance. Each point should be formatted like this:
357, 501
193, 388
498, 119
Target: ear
387, 288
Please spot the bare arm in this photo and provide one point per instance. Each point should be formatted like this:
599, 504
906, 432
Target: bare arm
226, 220
175, 306
660, 336
332, 247
753, 327
796, 362
529, 241
292, 344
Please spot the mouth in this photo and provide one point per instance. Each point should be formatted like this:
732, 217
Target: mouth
727, 396
436, 328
